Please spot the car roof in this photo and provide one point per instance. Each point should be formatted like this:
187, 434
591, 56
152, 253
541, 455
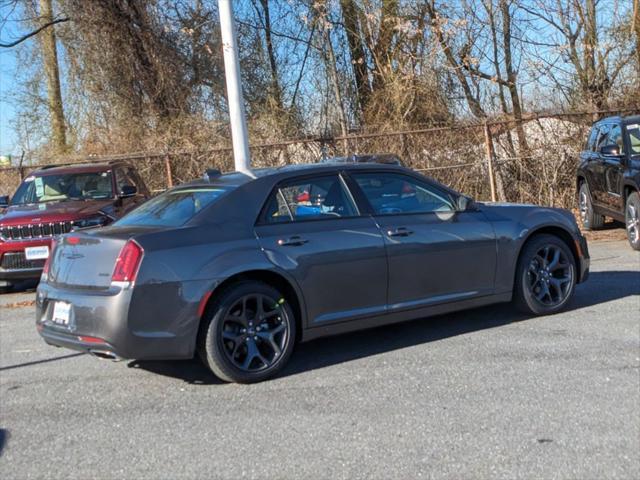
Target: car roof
75, 168
235, 179
624, 120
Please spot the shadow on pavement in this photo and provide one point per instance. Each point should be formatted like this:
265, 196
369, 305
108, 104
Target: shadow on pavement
37, 362
191, 371
22, 286
4, 436
601, 287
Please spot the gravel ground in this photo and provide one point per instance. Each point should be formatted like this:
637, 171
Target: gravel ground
480, 394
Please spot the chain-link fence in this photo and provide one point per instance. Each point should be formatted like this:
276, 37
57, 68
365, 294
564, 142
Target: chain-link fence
482, 159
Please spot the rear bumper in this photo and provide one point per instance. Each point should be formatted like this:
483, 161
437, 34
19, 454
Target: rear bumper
130, 323
94, 314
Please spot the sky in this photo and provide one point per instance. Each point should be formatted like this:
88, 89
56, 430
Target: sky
7, 112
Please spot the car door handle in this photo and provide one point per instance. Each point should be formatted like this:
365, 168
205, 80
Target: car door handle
399, 232
294, 241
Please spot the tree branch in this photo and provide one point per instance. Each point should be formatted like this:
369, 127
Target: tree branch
35, 32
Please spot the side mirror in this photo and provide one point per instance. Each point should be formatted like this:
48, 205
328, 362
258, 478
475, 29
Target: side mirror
464, 203
127, 191
4, 201
610, 151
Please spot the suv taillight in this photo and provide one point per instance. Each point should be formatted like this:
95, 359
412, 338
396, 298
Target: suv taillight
127, 263
47, 262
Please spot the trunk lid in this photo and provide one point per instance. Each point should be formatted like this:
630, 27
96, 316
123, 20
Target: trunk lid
87, 259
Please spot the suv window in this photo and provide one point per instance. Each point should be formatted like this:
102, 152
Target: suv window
390, 193
634, 138
602, 136
593, 136
615, 137
125, 176
320, 197
64, 186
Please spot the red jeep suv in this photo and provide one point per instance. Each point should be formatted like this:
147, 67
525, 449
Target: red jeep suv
58, 199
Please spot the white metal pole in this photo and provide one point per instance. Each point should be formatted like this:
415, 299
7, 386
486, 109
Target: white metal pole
235, 100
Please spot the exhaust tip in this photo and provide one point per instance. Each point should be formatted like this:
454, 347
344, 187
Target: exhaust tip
105, 355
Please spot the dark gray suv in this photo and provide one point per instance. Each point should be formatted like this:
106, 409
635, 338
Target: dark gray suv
609, 176
240, 267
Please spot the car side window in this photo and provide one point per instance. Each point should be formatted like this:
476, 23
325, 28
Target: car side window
125, 178
615, 137
591, 143
634, 138
390, 193
309, 199
602, 137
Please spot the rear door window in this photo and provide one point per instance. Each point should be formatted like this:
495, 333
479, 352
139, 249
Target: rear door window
309, 199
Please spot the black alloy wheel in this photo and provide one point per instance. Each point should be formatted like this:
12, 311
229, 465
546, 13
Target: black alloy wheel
250, 333
546, 276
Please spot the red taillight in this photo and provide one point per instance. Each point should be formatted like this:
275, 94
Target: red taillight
47, 262
90, 339
127, 263
73, 240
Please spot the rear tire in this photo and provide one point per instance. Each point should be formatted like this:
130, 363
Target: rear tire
590, 219
248, 333
545, 276
632, 219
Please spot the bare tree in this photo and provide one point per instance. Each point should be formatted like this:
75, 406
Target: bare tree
52, 71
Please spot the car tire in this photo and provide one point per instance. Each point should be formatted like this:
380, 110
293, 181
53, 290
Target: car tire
544, 282
590, 219
632, 219
248, 333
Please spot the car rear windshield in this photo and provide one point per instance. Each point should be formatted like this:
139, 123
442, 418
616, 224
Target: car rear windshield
634, 138
62, 187
173, 208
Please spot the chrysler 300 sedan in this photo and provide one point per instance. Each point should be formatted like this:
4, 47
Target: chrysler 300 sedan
239, 267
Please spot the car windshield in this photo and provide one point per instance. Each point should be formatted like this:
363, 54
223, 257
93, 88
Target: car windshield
62, 187
634, 138
173, 208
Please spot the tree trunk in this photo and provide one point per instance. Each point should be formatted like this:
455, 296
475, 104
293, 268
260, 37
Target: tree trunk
512, 76
382, 48
52, 72
356, 50
275, 79
472, 101
636, 28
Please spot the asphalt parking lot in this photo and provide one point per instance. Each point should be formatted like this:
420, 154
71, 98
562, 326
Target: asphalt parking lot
479, 394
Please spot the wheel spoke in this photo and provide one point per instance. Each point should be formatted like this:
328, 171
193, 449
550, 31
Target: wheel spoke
271, 341
543, 292
231, 336
555, 261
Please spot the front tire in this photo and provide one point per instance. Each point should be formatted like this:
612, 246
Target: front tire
590, 219
545, 276
249, 333
632, 220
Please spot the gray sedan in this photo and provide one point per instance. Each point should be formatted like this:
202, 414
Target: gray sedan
238, 268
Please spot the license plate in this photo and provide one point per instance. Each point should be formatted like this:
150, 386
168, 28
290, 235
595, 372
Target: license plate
61, 312
36, 253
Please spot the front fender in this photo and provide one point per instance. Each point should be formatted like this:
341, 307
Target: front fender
514, 225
